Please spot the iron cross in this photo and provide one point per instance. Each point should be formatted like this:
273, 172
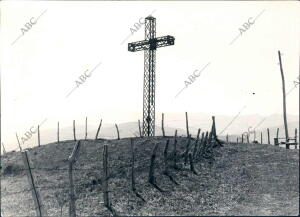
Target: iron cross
149, 46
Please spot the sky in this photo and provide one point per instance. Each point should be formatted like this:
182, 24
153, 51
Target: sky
67, 41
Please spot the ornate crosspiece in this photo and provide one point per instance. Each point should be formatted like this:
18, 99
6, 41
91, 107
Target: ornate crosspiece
149, 46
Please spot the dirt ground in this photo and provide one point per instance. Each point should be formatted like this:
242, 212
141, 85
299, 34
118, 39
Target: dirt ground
243, 179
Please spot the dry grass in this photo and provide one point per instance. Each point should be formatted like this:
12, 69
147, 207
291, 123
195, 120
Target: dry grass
244, 179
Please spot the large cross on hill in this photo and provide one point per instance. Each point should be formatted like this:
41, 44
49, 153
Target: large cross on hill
149, 46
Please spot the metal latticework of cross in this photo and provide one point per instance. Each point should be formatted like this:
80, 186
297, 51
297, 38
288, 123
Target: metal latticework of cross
149, 46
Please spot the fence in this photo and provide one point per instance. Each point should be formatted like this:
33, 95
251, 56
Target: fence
144, 157
117, 134
292, 143
141, 157
138, 133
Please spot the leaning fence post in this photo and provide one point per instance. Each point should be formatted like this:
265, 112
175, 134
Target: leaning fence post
39, 140
204, 144
98, 130
72, 159
85, 128
151, 170
19, 142
162, 124
132, 165
140, 131
105, 174
187, 124
198, 134
74, 130
248, 138
227, 138
261, 137
268, 131
166, 171
201, 145
117, 131
196, 143
35, 194
57, 132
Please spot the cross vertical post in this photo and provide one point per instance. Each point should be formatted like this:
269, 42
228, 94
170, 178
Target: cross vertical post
149, 46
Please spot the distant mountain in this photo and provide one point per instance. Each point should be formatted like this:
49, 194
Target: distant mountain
173, 121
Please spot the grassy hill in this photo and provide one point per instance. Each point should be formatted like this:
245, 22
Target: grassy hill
240, 179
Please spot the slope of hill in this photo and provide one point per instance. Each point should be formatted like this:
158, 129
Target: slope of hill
243, 179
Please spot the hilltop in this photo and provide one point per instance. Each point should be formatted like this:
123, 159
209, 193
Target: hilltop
239, 179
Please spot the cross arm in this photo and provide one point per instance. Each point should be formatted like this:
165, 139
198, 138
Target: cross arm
151, 44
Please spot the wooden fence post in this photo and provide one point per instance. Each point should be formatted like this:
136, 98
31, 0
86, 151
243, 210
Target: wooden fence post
19, 142
237, 139
4, 151
277, 133
105, 174
151, 170
210, 137
227, 138
248, 138
268, 131
166, 164
72, 158
162, 125
198, 134
85, 128
40, 211
57, 132
242, 138
132, 165
140, 131
261, 137
186, 155
166, 170
74, 130
175, 151
39, 141
196, 143
117, 131
200, 145
296, 136
187, 124
287, 145
284, 101
205, 142
98, 130
214, 131
192, 168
